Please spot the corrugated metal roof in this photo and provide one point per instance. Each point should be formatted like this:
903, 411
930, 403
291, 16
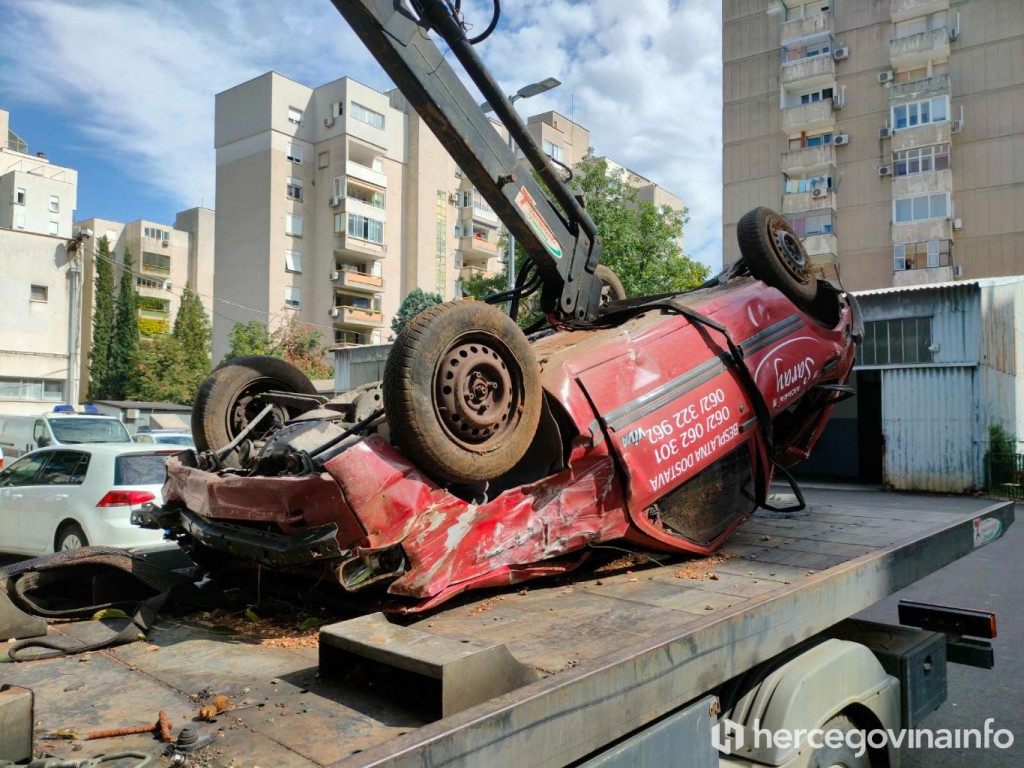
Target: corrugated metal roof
979, 282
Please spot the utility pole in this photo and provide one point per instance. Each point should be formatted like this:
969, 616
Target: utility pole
76, 258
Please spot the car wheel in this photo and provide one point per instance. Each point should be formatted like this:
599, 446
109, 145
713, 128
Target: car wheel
843, 756
462, 392
70, 536
611, 286
775, 255
227, 400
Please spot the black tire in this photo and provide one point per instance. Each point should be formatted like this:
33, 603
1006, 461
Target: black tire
611, 286
844, 755
774, 254
70, 534
465, 424
222, 409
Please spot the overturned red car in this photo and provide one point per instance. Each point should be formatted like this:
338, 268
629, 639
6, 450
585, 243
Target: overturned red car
661, 424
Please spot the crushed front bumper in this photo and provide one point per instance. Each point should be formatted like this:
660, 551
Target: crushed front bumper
266, 547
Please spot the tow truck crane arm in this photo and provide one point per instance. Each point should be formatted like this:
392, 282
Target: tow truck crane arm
560, 240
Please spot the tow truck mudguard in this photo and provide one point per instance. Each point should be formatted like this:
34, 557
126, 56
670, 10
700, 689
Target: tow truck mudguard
265, 547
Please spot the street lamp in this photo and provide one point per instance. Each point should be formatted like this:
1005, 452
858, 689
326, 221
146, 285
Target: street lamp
526, 92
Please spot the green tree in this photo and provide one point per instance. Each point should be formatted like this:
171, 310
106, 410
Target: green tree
252, 338
193, 333
102, 322
124, 340
300, 344
161, 372
415, 302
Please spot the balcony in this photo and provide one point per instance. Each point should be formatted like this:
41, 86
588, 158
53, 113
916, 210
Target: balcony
809, 160
919, 89
922, 231
358, 317
356, 247
922, 183
360, 208
794, 30
902, 10
477, 247
469, 271
812, 117
798, 202
469, 214
821, 68
366, 173
921, 136
821, 246
916, 50
925, 276
358, 281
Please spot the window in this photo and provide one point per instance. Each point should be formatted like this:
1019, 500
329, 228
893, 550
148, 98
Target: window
140, 469
292, 297
19, 196
902, 341
54, 228
476, 200
323, 160
157, 234
927, 255
39, 293
554, 150
31, 389
365, 229
19, 221
146, 282
348, 337
921, 208
368, 116
806, 50
295, 115
921, 160
23, 471
64, 468
356, 191
920, 25
920, 113
293, 261
795, 11
293, 225
812, 223
294, 189
295, 153
337, 108
823, 94
796, 186
54, 204
810, 141
156, 262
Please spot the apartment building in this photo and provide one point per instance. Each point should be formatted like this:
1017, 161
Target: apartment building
886, 131
164, 259
37, 202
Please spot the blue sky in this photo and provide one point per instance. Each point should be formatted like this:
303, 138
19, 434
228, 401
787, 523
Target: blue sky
124, 91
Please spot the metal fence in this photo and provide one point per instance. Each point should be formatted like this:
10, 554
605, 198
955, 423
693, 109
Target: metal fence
1004, 473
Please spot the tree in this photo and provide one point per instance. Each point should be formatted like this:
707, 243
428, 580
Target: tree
124, 340
298, 343
415, 302
102, 322
161, 372
193, 333
252, 338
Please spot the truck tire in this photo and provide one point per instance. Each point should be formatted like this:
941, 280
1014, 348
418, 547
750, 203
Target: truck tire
774, 254
611, 286
224, 404
843, 756
462, 392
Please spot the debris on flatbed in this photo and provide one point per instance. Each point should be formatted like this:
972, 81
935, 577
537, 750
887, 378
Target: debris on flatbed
281, 632
700, 569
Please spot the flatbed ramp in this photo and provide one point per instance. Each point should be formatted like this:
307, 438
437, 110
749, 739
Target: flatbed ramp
615, 649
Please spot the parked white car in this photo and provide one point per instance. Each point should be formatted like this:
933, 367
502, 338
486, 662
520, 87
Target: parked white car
70, 496
177, 437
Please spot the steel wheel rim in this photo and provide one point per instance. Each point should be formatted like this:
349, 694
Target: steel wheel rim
788, 248
244, 408
478, 392
71, 541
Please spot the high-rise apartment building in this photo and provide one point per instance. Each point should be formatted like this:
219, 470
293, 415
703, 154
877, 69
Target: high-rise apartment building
889, 133
37, 203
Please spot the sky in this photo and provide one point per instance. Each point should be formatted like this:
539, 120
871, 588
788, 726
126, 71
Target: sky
124, 91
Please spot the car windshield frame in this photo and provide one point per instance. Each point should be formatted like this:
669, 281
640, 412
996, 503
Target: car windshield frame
76, 430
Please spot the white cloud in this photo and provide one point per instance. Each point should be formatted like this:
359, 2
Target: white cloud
138, 79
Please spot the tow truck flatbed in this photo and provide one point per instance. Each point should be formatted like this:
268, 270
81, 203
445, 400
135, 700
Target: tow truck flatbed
614, 650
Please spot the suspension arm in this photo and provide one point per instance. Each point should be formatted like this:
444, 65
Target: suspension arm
561, 240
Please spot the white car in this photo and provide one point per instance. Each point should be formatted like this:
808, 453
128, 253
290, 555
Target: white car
71, 496
177, 437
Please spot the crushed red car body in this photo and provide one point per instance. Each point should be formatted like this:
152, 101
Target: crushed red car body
653, 432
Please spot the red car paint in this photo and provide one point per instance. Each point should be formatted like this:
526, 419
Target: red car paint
652, 403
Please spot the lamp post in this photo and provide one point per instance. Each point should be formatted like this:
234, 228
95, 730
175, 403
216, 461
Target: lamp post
526, 92
76, 258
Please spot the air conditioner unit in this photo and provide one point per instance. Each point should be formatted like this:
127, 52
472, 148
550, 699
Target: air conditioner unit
958, 270
334, 311
958, 223
841, 53
453, 198
328, 122
335, 276
336, 201
818, 192
838, 101
954, 33
884, 133
167, 285
885, 170
956, 126
165, 243
842, 140
885, 77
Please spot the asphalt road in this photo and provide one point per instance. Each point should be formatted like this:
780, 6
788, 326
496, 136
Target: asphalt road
990, 579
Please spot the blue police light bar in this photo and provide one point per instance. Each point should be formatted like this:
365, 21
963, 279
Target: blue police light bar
90, 409
63, 409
